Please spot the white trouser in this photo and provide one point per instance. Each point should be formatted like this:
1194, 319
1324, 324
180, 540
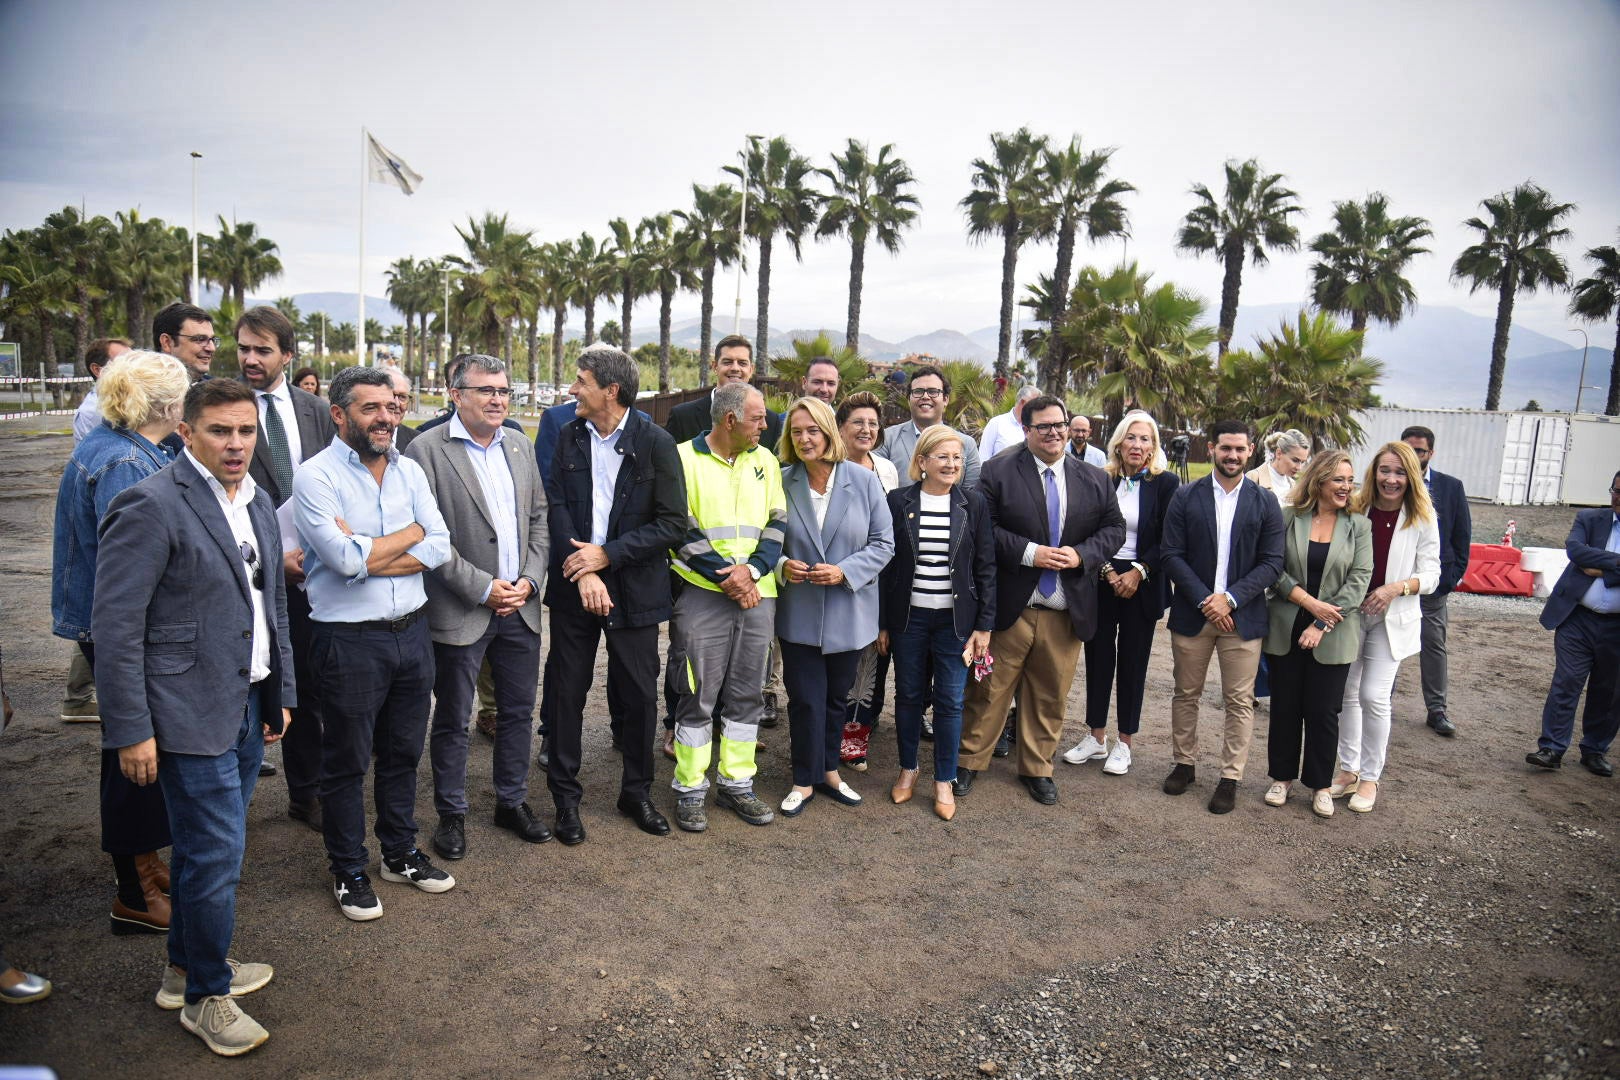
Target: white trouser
1364, 719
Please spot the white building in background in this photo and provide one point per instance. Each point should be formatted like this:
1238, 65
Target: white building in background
1512, 458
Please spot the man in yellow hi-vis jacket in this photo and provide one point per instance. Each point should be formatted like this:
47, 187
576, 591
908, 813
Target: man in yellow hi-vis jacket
725, 612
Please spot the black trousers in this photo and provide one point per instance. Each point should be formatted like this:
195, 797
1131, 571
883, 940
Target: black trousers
134, 819
1305, 701
817, 685
1117, 655
376, 689
615, 701
301, 747
632, 675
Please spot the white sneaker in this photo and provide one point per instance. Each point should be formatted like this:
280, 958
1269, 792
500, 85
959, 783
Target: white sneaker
1119, 760
1086, 749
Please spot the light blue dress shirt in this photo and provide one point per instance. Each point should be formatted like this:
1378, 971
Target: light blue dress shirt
1599, 597
494, 474
605, 463
335, 483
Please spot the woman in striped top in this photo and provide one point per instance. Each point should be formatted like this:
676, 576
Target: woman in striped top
936, 603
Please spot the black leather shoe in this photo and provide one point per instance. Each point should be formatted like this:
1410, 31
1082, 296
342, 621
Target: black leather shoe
307, 812
1225, 797
1179, 778
570, 830
1598, 764
771, 714
645, 815
1003, 744
1041, 789
450, 838
1442, 725
543, 758
266, 769
1546, 759
964, 781
521, 820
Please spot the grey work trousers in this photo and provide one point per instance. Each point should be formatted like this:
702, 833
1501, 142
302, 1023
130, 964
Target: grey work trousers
725, 649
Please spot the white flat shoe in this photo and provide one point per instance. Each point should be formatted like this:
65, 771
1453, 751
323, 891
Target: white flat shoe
1363, 804
1339, 791
1084, 750
1277, 794
1322, 804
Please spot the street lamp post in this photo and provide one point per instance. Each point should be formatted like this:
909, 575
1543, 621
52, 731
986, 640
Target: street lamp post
742, 221
444, 336
196, 284
1584, 345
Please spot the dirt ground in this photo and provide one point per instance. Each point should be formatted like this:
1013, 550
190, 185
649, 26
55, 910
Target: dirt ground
1467, 927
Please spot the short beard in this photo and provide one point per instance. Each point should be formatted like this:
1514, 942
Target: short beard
358, 439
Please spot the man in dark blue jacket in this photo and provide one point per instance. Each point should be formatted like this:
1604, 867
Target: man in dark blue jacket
1223, 548
618, 505
1456, 535
1584, 614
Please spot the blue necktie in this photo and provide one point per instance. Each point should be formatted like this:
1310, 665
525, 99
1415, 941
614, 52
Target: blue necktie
1054, 527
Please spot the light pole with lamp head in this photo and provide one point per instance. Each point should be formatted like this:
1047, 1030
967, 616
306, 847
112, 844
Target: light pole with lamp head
444, 339
196, 284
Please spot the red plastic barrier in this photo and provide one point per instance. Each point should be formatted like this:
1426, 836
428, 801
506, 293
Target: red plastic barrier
1494, 569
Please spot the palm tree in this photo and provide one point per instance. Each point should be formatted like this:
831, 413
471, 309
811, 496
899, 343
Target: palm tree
404, 292
1076, 194
35, 288
669, 270
497, 284
782, 200
1005, 201
1309, 375
592, 270
1097, 303
77, 244
1598, 298
239, 259
1514, 252
628, 256
145, 262
1035, 338
1163, 356
558, 289
711, 243
1359, 272
1251, 217
867, 201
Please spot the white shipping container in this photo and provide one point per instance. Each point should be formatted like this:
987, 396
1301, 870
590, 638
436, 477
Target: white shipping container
1592, 459
1512, 458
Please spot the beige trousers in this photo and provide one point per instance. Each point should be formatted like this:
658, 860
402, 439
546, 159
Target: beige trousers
1035, 658
1240, 662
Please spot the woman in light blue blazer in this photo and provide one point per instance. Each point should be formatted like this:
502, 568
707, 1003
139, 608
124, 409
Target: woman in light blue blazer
839, 536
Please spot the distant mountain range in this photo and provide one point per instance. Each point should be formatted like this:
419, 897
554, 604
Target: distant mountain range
1438, 357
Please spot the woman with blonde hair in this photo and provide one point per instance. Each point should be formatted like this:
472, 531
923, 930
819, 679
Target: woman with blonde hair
937, 605
1406, 565
1315, 631
141, 398
1286, 453
1134, 595
837, 539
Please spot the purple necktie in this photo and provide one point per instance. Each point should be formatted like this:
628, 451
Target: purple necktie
1054, 526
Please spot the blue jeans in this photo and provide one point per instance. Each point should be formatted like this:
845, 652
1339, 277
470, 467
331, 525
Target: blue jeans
208, 800
930, 633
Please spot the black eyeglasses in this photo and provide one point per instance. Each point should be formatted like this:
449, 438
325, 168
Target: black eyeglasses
251, 557
1048, 429
200, 339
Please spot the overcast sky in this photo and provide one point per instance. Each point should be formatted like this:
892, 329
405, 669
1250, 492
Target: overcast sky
565, 115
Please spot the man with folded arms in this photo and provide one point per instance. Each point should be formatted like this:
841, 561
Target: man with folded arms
483, 601
370, 529
195, 668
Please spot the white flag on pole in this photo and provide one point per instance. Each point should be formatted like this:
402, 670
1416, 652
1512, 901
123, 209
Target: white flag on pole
388, 168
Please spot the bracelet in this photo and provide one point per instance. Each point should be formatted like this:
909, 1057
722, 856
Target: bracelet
1140, 569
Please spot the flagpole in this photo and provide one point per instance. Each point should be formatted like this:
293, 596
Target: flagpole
360, 323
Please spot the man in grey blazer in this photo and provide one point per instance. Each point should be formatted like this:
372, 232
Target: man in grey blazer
928, 391
196, 674
484, 599
293, 426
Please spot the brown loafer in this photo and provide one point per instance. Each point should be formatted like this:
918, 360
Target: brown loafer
904, 787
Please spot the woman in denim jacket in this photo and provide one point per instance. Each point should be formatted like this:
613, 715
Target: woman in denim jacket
141, 397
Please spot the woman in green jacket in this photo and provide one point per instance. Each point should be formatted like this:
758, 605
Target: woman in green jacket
1315, 630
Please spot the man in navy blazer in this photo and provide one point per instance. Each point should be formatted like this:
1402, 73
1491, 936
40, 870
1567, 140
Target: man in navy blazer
195, 669
733, 362
618, 504
1584, 614
1056, 522
1223, 548
1456, 537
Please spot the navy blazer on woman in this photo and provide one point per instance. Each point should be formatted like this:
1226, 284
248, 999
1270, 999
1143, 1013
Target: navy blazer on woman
1587, 548
972, 559
648, 518
1093, 526
1255, 563
1153, 505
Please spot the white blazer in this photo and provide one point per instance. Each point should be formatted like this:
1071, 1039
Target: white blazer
1413, 552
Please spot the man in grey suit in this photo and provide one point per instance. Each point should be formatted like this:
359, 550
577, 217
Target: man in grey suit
293, 425
196, 674
928, 391
484, 599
